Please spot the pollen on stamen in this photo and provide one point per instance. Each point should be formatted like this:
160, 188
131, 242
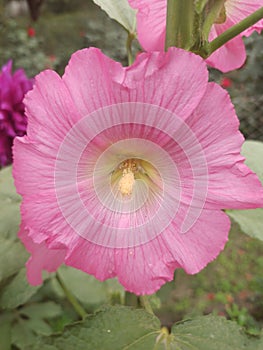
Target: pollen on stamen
125, 185
126, 182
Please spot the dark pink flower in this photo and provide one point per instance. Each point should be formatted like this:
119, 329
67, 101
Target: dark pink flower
210, 296
52, 58
151, 19
5, 148
226, 82
13, 121
31, 32
125, 170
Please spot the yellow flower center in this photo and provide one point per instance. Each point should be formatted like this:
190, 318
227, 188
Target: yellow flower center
128, 167
128, 171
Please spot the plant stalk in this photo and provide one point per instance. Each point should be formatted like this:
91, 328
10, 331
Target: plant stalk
144, 300
234, 31
76, 305
129, 41
179, 23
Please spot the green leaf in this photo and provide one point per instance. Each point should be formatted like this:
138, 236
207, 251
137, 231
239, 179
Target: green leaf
9, 204
39, 326
12, 258
257, 344
115, 327
253, 152
86, 288
120, 11
251, 221
45, 310
22, 336
5, 331
26, 329
17, 292
124, 328
207, 333
7, 185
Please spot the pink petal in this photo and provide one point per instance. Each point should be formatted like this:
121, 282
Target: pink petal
144, 269
231, 183
50, 109
141, 270
35, 163
239, 9
202, 244
151, 18
145, 81
180, 93
93, 88
42, 257
230, 56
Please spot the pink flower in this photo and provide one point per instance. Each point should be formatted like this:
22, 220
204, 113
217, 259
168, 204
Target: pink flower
124, 170
12, 118
151, 19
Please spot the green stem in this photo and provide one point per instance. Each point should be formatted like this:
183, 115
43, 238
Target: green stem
200, 5
179, 23
234, 31
170, 38
76, 305
146, 304
129, 41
